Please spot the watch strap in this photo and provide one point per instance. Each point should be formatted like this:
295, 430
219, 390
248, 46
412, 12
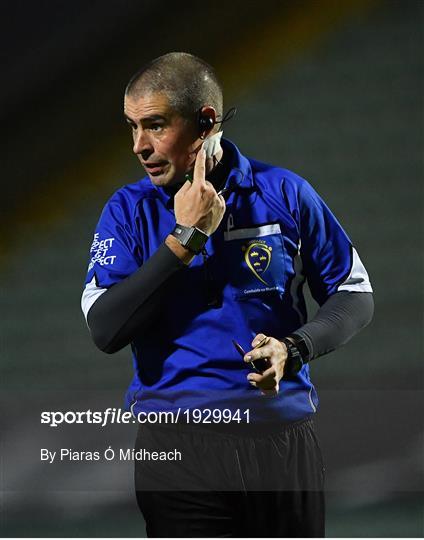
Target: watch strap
302, 346
191, 238
294, 362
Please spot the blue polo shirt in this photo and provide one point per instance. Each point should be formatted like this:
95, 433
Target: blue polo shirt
276, 233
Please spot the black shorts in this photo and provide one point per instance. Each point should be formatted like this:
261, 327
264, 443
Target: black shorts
230, 481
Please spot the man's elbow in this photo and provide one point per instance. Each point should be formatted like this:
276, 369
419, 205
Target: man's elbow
103, 344
103, 338
101, 341
367, 311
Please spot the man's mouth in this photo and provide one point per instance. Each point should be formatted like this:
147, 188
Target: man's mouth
155, 168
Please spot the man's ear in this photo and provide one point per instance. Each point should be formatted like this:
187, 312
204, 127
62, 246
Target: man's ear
206, 121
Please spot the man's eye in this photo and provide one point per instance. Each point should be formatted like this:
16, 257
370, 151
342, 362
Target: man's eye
156, 127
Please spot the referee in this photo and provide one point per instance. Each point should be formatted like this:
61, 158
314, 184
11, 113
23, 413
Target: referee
200, 266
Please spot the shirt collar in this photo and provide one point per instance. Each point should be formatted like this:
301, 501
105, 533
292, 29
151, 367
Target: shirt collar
240, 176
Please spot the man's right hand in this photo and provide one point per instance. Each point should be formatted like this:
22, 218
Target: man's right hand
197, 204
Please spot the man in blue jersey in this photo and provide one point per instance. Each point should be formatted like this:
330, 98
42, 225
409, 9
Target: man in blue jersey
200, 267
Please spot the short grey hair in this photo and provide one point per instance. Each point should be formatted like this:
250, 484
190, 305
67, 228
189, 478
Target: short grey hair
188, 82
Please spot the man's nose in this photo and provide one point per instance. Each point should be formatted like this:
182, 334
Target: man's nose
142, 144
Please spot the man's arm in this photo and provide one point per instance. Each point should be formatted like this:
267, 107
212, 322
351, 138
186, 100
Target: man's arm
340, 318
338, 282
117, 315
135, 302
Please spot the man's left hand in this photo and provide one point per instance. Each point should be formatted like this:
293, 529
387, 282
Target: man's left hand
275, 352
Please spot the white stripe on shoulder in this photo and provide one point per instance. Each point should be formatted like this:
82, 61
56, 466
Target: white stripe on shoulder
90, 295
357, 280
253, 232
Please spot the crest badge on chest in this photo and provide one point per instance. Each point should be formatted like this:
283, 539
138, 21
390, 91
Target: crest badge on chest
257, 255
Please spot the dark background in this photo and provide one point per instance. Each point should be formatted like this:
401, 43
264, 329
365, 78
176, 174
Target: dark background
332, 90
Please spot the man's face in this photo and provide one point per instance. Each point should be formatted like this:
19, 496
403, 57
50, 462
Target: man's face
164, 142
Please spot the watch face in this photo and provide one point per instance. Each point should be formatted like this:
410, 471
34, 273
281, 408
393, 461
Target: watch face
196, 241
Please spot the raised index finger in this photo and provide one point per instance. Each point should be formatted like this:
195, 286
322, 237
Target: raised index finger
200, 169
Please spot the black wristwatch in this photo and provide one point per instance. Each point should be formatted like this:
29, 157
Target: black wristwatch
191, 238
298, 355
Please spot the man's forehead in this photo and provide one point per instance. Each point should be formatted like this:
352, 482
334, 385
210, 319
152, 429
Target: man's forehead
138, 107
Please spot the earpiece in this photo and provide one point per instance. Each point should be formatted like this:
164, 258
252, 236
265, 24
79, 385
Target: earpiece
206, 123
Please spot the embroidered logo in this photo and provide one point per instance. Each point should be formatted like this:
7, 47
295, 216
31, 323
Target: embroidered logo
257, 255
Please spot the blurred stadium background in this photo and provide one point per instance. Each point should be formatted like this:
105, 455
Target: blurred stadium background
332, 89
